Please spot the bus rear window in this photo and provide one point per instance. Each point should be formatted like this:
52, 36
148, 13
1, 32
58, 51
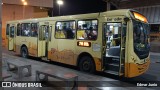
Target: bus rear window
87, 30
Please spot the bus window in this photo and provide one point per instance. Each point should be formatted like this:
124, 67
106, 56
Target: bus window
65, 30
7, 29
87, 30
18, 29
34, 30
25, 29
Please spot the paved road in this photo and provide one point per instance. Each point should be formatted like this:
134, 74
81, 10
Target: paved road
153, 74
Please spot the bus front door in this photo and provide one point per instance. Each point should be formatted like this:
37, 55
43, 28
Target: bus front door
43, 41
11, 38
114, 61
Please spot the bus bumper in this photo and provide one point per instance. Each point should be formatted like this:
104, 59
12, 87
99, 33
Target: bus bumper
133, 70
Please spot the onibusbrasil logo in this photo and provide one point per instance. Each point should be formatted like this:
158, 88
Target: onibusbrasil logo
20, 84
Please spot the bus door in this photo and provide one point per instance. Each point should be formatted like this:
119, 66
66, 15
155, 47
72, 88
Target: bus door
43, 40
114, 48
11, 37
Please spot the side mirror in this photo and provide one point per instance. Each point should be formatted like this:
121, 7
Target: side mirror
126, 19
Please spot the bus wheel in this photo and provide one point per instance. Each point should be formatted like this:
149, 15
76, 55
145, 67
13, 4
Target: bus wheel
86, 64
24, 52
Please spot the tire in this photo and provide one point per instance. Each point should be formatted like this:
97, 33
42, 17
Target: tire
24, 52
86, 64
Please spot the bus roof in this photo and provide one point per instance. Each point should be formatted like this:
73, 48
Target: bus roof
120, 12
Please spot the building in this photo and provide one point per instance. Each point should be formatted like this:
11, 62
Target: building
23, 9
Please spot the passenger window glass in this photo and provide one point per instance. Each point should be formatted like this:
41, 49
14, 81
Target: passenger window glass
25, 29
87, 30
34, 30
18, 29
65, 30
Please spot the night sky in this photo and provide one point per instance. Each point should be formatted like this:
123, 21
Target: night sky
71, 7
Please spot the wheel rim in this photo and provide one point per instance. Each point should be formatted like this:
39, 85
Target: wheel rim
24, 53
86, 65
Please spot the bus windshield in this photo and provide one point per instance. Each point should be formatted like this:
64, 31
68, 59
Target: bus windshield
141, 36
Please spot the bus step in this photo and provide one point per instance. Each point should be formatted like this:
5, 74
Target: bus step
112, 60
45, 58
113, 64
112, 67
111, 72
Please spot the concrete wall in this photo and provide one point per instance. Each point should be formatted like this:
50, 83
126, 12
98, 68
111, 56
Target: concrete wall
41, 3
17, 12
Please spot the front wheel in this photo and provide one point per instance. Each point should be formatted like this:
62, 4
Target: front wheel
24, 52
87, 65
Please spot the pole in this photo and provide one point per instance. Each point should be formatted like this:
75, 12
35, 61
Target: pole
59, 10
52, 8
23, 11
108, 6
1, 41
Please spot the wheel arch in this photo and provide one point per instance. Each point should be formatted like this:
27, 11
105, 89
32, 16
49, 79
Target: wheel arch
23, 45
82, 55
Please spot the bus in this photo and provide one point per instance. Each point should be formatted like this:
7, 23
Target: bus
114, 42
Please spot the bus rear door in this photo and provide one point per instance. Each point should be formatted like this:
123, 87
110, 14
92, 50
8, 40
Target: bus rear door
11, 37
43, 39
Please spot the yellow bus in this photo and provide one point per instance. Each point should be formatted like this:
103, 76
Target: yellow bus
114, 42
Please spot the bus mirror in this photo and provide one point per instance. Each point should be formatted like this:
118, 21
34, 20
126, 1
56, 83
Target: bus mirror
126, 19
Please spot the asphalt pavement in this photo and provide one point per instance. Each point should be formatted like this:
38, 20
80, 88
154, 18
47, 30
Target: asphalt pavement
111, 82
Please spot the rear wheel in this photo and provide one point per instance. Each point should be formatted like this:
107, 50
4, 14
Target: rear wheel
24, 52
86, 64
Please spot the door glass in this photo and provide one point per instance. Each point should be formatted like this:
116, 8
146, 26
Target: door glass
12, 31
50, 33
113, 38
44, 32
7, 30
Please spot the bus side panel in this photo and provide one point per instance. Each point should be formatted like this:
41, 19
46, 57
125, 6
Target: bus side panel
66, 52
18, 44
32, 47
11, 45
96, 55
41, 48
6, 43
21, 41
